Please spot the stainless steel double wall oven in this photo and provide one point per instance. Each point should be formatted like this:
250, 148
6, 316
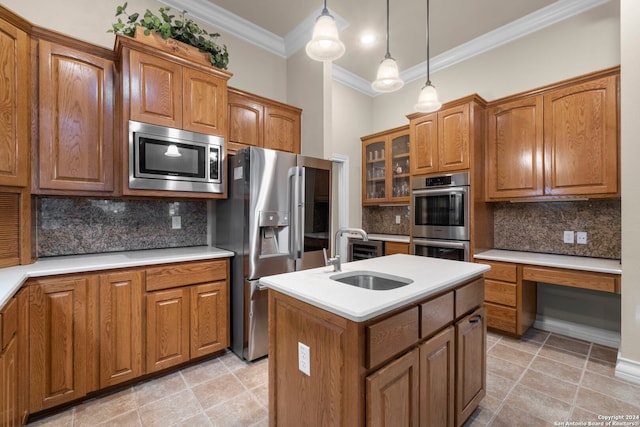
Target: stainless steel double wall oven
440, 210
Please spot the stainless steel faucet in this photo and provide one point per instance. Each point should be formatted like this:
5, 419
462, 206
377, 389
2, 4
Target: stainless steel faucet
335, 261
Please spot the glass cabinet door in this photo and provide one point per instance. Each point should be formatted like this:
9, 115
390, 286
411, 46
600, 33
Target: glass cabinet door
375, 170
399, 163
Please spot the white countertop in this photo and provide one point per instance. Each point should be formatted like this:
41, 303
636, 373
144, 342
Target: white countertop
598, 265
389, 237
11, 278
429, 275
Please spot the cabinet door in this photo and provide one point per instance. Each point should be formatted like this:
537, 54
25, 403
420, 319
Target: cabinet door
514, 149
76, 120
246, 121
9, 385
209, 318
398, 170
581, 138
424, 144
156, 90
57, 341
392, 393
453, 139
374, 170
14, 106
205, 103
437, 375
471, 338
120, 320
281, 129
167, 328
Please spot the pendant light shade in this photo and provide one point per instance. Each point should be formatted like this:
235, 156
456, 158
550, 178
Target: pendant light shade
325, 44
388, 77
428, 98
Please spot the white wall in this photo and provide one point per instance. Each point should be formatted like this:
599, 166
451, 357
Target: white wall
254, 69
629, 362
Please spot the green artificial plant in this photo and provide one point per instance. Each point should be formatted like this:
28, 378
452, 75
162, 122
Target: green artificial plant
182, 29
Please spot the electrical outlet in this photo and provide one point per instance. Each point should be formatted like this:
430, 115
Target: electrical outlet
397, 219
304, 359
581, 237
568, 236
176, 222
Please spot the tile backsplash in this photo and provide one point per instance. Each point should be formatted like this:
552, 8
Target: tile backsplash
539, 227
71, 226
382, 219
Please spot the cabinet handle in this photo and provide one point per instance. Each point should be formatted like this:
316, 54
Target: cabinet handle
475, 319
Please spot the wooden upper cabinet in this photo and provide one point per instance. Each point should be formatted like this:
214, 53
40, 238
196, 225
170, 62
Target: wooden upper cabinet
255, 121
76, 127
246, 120
581, 138
281, 129
514, 149
156, 90
14, 105
181, 92
443, 141
424, 144
453, 138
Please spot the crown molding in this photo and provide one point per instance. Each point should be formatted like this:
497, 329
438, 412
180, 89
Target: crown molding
298, 37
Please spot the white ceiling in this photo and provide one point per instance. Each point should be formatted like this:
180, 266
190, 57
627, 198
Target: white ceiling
459, 28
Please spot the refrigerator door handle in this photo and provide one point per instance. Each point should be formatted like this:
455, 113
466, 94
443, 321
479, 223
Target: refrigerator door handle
297, 212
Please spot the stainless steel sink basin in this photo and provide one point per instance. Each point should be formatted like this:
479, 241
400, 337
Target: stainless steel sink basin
371, 280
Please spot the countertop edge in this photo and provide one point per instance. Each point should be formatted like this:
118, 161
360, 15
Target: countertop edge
597, 265
12, 278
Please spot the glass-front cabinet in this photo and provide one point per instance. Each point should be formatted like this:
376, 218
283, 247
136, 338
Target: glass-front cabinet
385, 167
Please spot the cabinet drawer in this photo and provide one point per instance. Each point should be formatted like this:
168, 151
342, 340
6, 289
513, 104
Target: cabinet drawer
8, 322
436, 314
578, 279
186, 274
500, 292
502, 318
391, 336
500, 271
391, 248
469, 297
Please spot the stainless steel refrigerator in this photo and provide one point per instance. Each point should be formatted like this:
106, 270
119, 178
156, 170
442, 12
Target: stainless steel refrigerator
276, 219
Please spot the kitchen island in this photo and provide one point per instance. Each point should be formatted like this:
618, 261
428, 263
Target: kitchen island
344, 355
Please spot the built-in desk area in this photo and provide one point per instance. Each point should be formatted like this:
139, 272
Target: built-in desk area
511, 286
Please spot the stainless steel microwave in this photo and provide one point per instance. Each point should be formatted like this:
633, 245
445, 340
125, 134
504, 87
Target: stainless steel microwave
167, 159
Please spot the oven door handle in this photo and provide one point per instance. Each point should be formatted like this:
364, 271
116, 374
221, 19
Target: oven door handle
440, 243
440, 191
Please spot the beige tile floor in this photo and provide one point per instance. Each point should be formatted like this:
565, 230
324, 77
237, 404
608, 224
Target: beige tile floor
543, 379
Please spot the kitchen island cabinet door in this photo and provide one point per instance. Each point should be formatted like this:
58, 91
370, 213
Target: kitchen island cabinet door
515, 149
120, 320
58, 347
76, 127
209, 318
437, 376
167, 328
581, 139
471, 338
14, 106
156, 90
393, 393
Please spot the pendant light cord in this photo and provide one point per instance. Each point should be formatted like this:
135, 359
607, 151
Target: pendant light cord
325, 11
428, 38
387, 55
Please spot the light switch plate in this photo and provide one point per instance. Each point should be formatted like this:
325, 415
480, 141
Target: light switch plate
397, 219
304, 359
568, 236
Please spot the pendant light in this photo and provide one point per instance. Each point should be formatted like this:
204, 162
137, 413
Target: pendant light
387, 78
325, 45
428, 99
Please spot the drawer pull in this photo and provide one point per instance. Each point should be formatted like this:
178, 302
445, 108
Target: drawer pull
475, 319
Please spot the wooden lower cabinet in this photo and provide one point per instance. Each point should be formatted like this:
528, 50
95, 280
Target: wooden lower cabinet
167, 328
393, 393
380, 372
471, 350
391, 248
10, 412
59, 350
209, 313
120, 319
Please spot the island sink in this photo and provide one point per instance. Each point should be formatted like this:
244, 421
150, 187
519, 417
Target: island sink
371, 280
